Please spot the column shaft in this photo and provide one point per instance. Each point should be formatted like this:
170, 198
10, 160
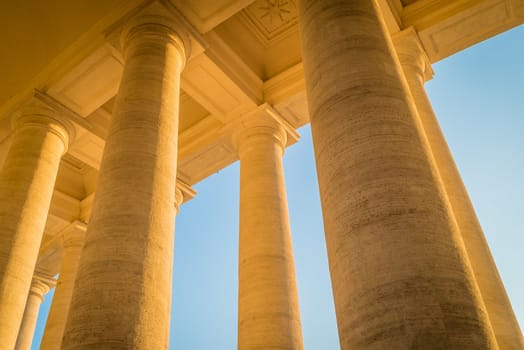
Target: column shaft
399, 271
122, 293
27, 328
498, 306
26, 186
56, 320
268, 310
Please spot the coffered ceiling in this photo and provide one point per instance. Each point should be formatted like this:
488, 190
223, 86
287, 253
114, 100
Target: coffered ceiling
250, 61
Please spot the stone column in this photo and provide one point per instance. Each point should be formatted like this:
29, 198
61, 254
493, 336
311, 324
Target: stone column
401, 278
268, 310
183, 193
39, 287
122, 293
73, 241
27, 180
417, 67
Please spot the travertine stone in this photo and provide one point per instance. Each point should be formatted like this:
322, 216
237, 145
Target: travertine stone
505, 326
73, 241
268, 310
26, 186
122, 293
400, 274
183, 193
39, 287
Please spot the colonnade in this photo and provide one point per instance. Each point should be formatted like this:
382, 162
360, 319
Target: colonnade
409, 264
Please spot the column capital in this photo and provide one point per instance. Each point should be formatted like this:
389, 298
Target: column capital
37, 113
264, 123
183, 193
411, 53
158, 20
41, 284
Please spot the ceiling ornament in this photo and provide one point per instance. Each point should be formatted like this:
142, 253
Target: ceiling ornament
270, 20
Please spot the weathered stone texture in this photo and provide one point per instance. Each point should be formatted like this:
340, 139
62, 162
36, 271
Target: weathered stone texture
400, 274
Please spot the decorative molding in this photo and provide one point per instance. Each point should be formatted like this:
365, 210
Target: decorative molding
284, 85
90, 84
206, 15
470, 25
270, 20
42, 283
213, 89
427, 13
209, 159
234, 67
69, 114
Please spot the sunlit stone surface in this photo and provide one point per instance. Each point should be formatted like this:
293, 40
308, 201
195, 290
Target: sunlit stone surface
110, 110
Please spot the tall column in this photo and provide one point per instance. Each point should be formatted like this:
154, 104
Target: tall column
183, 193
26, 185
401, 278
268, 310
73, 241
39, 287
122, 293
416, 67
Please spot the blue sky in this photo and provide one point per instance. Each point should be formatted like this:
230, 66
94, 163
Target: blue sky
478, 96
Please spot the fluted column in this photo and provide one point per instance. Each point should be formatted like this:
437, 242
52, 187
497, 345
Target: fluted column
401, 278
416, 67
39, 288
27, 180
268, 310
122, 293
73, 241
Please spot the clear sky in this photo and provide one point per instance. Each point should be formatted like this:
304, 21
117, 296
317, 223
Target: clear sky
478, 96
